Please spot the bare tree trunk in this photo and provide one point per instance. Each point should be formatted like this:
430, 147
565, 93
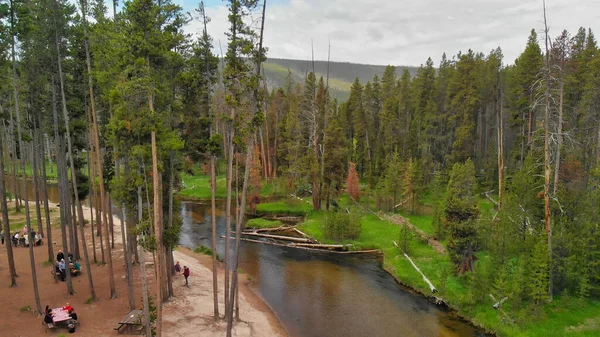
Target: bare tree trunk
230, 155
17, 183
97, 206
213, 188
500, 144
262, 154
69, 146
92, 189
46, 202
36, 179
158, 234
547, 154
238, 233
559, 137
76, 254
63, 185
128, 255
169, 250
110, 221
144, 278
6, 224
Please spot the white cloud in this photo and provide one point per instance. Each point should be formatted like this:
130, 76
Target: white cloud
403, 32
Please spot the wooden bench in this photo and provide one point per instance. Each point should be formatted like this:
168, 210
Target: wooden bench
48, 326
119, 327
139, 329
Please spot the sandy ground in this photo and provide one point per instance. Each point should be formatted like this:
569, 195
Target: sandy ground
189, 313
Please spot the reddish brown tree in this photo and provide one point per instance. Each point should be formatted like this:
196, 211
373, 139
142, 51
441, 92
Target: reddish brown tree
352, 182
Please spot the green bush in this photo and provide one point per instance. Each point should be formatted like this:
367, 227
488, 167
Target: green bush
340, 226
203, 250
207, 251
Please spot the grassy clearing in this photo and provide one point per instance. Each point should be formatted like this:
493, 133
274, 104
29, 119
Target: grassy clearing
263, 223
198, 187
290, 206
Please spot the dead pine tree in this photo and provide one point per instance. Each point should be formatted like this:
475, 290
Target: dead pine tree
547, 219
236, 69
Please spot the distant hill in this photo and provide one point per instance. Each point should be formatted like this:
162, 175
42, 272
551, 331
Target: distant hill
341, 74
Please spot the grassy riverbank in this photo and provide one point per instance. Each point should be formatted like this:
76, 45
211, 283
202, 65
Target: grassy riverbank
565, 316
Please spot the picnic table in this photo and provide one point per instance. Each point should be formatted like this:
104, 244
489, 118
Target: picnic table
131, 320
60, 315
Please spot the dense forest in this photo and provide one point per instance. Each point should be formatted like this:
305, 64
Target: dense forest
124, 106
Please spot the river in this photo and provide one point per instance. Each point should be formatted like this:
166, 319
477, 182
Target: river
321, 294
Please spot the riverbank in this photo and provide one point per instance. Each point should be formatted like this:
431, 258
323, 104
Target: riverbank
565, 316
190, 311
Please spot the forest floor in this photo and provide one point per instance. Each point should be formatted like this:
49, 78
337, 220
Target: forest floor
188, 313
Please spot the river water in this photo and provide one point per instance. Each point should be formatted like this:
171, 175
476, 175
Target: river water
321, 294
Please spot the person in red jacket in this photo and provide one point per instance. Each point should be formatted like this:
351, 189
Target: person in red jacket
186, 274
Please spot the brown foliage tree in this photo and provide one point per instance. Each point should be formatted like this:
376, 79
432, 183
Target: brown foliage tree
352, 182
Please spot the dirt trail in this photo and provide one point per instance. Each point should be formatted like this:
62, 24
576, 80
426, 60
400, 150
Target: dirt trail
402, 221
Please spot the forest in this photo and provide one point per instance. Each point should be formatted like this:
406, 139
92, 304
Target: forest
501, 157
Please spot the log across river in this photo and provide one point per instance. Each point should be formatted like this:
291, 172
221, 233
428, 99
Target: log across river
320, 294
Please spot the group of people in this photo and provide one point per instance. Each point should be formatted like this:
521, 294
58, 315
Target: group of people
186, 272
48, 314
21, 238
60, 265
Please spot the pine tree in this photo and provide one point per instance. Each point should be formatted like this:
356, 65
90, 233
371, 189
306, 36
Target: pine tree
460, 213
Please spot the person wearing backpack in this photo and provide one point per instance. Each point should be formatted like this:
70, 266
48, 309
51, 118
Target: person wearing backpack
186, 274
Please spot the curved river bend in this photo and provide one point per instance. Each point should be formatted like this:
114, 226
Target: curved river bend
320, 294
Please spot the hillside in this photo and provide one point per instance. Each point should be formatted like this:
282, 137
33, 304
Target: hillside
341, 74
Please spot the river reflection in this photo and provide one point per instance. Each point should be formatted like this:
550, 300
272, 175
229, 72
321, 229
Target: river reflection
319, 294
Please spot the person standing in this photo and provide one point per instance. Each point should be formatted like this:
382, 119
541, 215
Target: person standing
60, 256
186, 274
177, 267
2, 234
61, 267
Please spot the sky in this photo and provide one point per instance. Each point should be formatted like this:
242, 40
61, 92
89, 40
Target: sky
401, 32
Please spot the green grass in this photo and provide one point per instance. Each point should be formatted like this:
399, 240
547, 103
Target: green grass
423, 222
288, 206
198, 187
263, 223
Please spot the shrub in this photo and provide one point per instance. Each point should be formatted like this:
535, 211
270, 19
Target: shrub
340, 226
203, 250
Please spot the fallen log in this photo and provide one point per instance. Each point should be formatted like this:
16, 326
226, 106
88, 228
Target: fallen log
498, 306
433, 289
320, 245
297, 197
301, 233
274, 229
285, 218
279, 237
303, 246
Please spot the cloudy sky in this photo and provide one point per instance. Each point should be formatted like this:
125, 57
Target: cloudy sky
402, 32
